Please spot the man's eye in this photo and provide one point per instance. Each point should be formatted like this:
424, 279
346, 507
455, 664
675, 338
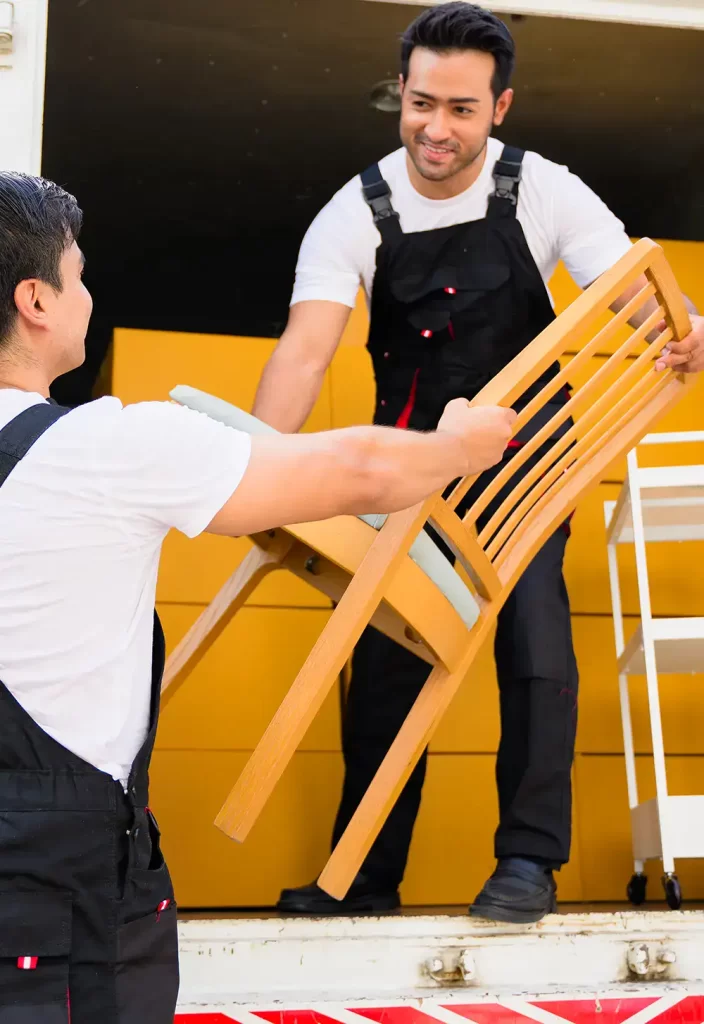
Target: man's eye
420, 104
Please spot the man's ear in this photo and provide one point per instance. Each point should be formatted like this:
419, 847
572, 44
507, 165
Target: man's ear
503, 105
30, 301
401, 84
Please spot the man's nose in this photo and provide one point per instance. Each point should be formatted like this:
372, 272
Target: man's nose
438, 126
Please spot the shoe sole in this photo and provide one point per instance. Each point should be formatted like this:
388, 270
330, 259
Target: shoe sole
495, 912
343, 909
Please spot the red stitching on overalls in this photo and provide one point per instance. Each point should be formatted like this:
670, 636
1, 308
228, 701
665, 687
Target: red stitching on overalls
405, 416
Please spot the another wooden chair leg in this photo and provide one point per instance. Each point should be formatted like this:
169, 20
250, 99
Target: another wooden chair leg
209, 625
323, 666
395, 770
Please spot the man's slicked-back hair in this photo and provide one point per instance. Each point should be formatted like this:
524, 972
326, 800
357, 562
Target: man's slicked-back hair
38, 222
460, 26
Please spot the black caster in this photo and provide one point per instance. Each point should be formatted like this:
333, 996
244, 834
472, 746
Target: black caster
636, 888
673, 893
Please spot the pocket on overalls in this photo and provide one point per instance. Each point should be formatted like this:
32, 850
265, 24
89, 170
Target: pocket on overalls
147, 975
35, 941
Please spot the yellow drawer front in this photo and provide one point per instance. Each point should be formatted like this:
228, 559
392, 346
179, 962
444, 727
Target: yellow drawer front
675, 586
599, 729
193, 571
452, 853
288, 846
229, 699
148, 364
604, 830
472, 723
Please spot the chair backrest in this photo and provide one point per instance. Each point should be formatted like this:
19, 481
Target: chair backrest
616, 405
620, 399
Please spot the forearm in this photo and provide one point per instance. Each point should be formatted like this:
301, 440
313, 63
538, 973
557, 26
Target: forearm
299, 478
399, 468
287, 392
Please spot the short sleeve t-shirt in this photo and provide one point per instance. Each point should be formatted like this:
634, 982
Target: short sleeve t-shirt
82, 520
562, 218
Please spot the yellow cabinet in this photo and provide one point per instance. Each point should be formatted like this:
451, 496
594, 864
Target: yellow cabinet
599, 730
604, 830
229, 699
288, 845
194, 570
453, 844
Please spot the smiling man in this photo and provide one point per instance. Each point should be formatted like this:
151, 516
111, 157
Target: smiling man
454, 238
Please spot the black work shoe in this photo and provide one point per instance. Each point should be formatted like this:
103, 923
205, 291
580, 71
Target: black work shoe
520, 892
364, 897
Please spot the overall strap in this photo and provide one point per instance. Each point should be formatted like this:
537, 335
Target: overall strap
507, 178
377, 195
18, 436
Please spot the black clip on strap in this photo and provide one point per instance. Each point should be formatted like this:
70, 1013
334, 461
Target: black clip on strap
377, 196
507, 175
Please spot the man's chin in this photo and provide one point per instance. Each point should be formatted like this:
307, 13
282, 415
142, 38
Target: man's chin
432, 172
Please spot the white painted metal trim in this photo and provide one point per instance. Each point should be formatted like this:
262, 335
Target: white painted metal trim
651, 673
290, 963
651, 477
613, 513
681, 437
674, 14
679, 647
22, 75
684, 817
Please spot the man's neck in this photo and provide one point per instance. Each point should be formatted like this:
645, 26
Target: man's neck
451, 187
31, 380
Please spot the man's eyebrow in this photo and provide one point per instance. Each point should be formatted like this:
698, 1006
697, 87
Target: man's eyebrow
452, 99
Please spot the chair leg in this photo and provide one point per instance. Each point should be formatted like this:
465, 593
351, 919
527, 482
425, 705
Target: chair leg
210, 624
323, 666
396, 768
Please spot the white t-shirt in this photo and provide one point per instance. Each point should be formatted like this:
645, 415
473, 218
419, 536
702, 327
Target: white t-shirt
82, 520
561, 217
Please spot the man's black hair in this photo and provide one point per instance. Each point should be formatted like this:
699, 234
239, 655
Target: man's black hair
38, 223
462, 26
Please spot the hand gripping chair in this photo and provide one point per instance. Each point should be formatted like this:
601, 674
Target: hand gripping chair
387, 572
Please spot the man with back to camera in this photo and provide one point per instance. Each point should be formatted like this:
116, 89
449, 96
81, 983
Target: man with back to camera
454, 238
87, 912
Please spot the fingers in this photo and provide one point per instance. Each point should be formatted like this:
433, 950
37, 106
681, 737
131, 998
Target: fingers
677, 354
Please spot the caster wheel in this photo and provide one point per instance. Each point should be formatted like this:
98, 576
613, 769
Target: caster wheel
673, 893
636, 889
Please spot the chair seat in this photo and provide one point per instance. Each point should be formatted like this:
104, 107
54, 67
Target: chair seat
423, 552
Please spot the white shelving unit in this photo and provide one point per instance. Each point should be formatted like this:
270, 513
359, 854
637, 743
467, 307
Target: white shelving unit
655, 505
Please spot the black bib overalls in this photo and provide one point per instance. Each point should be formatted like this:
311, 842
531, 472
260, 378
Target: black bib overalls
87, 913
450, 308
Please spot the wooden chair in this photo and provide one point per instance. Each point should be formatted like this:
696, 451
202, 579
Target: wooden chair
388, 572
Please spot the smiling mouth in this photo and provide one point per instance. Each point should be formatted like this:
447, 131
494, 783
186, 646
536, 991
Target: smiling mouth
436, 152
